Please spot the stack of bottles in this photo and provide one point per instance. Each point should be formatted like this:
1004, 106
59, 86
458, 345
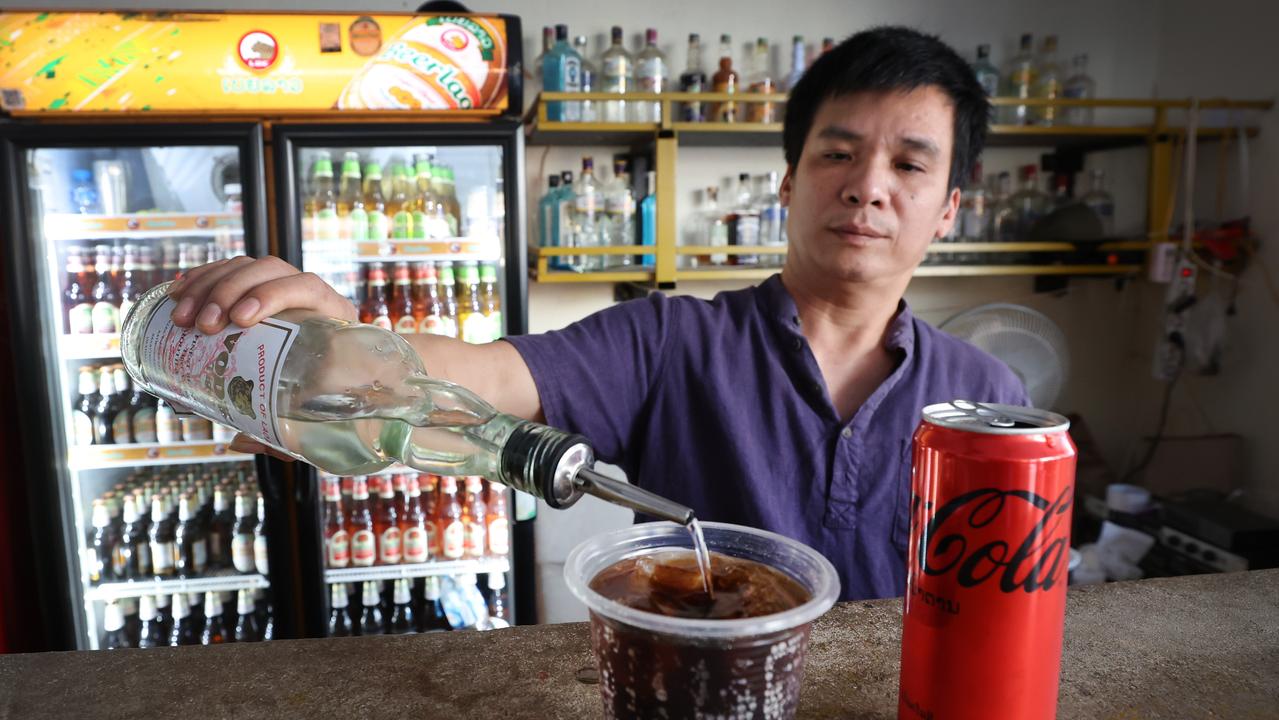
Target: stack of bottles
1037, 74
593, 212
421, 605
752, 216
211, 618
179, 522
108, 410
460, 300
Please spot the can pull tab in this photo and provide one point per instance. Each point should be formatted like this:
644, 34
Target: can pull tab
984, 414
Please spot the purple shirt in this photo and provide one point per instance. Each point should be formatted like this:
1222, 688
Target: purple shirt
721, 406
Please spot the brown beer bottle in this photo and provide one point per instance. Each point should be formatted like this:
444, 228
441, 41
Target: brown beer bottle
452, 528
491, 300
337, 544
246, 623
433, 319
106, 302
474, 518
359, 526
162, 555
402, 621
339, 621
134, 548
498, 608
371, 616
183, 630
131, 281
432, 618
430, 508
418, 298
75, 298
260, 558
214, 633
191, 549
242, 534
448, 301
499, 529
113, 623
413, 523
151, 634
386, 525
402, 320
103, 545
220, 526
376, 309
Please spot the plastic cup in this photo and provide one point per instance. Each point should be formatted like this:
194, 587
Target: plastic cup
653, 665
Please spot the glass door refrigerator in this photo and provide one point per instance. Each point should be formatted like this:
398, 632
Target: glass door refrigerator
417, 224
142, 515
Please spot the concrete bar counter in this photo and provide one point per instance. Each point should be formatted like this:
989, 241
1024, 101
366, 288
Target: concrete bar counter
1195, 647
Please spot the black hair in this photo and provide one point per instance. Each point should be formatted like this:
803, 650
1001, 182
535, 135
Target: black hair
892, 59
442, 7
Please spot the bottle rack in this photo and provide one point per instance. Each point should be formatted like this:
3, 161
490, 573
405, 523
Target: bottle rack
226, 582
1116, 257
417, 570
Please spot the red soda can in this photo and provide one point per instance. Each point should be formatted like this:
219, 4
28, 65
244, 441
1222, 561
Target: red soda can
992, 488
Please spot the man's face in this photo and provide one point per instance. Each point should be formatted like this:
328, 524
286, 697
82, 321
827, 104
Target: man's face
870, 190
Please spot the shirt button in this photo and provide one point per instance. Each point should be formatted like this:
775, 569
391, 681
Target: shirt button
847, 433
797, 344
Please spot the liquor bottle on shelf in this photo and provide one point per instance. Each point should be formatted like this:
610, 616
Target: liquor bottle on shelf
121, 428
986, 72
221, 522
590, 80
432, 618
337, 544
743, 222
797, 62
974, 209
562, 72
587, 216
109, 405
618, 226
1100, 201
371, 615
430, 508
474, 519
617, 70
428, 213
214, 632
548, 42
547, 218
498, 529
402, 620
360, 526
1030, 202
769, 206
386, 524
716, 228
161, 539
565, 205
693, 80
151, 634
428, 302
246, 623
76, 302
1003, 218
132, 623
1048, 84
339, 621
113, 623
725, 80
491, 300
1079, 86
260, 532
1020, 79
168, 426
650, 77
761, 81
242, 534
648, 218
446, 183
401, 304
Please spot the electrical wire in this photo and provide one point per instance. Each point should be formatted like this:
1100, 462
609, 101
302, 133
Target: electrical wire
1160, 426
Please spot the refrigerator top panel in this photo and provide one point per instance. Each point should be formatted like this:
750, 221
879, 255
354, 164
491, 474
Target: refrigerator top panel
255, 64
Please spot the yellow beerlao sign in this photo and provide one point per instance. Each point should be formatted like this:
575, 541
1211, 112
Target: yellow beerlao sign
261, 63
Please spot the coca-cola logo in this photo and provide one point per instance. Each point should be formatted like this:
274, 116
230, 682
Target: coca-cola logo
1035, 561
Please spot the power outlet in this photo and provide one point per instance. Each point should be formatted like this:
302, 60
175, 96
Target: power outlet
1171, 348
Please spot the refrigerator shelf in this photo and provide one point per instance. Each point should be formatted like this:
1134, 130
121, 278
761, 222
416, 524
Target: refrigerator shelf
97, 457
140, 226
417, 570
228, 581
90, 347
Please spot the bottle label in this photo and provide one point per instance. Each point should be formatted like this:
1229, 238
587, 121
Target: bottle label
363, 551
433, 548
475, 328
242, 552
419, 222
144, 557
338, 549
381, 321
229, 376
357, 224
402, 225
82, 424
199, 556
473, 543
327, 224
379, 225
432, 324
406, 325
495, 324
499, 537
454, 540
388, 546
81, 319
168, 427
106, 318
120, 428
259, 554
144, 425
196, 428
415, 547
162, 557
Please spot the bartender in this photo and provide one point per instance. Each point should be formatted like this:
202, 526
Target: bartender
788, 406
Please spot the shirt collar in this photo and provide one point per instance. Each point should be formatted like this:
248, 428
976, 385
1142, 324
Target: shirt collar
776, 303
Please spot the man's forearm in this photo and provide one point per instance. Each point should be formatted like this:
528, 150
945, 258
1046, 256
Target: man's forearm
495, 371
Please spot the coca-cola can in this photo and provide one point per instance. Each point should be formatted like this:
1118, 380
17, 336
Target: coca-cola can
992, 488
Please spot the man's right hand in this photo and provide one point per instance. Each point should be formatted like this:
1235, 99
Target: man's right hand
245, 290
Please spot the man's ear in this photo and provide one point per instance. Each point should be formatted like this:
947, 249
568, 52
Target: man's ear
949, 216
783, 192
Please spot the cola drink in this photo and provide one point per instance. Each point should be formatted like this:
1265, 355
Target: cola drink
991, 500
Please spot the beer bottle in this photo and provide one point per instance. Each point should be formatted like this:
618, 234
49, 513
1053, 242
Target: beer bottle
428, 303
121, 430
471, 320
168, 426
375, 205
433, 618
182, 631
413, 523
402, 621
242, 534
491, 300
360, 526
474, 518
162, 537
266, 616
386, 525
86, 406
430, 508
246, 624
448, 301
148, 275
371, 616
113, 624
401, 309
400, 484
400, 205
337, 544
220, 524
132, 623
376, 309
196, 428
260, 558
189, 539
445, 191
354, 216
164, 617
339, 622
106, 303
214, 632
134, 547
108, 405
151, 634
102, 544
75, 298
498, 609
452, 527
142, 408
499, 528
324, 202
131, 280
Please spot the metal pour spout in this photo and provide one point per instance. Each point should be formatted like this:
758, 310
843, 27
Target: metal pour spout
627, 495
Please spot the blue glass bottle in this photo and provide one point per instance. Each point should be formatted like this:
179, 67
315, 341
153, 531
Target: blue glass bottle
648, 219
562, 72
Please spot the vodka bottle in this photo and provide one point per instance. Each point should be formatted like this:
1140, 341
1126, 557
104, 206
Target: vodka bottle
617, 73
1079, 86
650, 77
588, 215
352, 399
590, 79
1048, 82
797, 63
693, 80
1100, 201
619, 214
1019, 82
770, 218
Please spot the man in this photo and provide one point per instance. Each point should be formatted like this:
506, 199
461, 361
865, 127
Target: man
788, 406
